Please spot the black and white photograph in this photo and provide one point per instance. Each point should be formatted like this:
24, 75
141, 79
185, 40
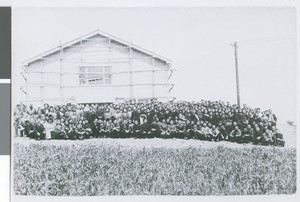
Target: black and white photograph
154, 101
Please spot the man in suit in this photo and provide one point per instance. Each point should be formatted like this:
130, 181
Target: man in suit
80, 132
39, 130
258, 135
154, 130
248, 134
87, 128
235, 135
58, 132
181, 129
272, 117
278, 137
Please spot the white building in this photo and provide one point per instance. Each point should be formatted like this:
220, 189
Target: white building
96, 68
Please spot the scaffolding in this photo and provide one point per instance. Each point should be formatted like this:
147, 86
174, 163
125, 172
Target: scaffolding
80, 46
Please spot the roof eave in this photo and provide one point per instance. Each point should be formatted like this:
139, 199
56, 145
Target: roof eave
91, 34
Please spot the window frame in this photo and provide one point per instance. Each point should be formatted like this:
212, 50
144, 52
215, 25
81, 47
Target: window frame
95, 75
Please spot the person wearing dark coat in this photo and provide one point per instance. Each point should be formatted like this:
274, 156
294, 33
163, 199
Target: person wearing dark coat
71, 131
144, 130
154, 130
172, 129
258, 135
248, 134
95, 128
181, 130
58, 132
124, 129
278, 137
80, 132
223, 133
88, 129
29, 129
39, 131
91, 116
136, 129
135, 115
189, 129
235, 135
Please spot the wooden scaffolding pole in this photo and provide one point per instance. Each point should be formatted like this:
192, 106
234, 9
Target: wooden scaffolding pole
153, 78
26, 86
61, 72
130, 74
42, 82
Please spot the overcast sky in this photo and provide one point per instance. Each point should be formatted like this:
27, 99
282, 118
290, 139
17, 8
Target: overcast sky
197, 40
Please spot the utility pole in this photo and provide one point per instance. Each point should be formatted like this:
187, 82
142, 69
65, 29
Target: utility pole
237, 73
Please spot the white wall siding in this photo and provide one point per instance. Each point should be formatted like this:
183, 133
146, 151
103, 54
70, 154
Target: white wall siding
57, 77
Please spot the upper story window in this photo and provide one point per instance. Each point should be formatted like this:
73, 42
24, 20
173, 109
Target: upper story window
90, 75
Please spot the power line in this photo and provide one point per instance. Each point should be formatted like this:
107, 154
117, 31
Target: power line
268, 39
205, 57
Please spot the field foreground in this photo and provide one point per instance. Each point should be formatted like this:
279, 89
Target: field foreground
151, 166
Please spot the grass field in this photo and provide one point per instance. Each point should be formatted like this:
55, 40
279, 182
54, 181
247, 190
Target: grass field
151, 166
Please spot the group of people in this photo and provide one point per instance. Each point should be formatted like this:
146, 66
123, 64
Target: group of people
205, 120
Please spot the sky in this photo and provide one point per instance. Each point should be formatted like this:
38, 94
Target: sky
197, 40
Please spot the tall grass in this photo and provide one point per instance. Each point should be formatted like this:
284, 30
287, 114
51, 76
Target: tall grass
111, 170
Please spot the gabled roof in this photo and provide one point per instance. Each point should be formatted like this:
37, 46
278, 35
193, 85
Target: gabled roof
92, 34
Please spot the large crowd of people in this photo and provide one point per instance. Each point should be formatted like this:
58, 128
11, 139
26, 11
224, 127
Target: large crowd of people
205, 120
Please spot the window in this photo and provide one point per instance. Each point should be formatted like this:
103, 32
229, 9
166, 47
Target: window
90, 75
